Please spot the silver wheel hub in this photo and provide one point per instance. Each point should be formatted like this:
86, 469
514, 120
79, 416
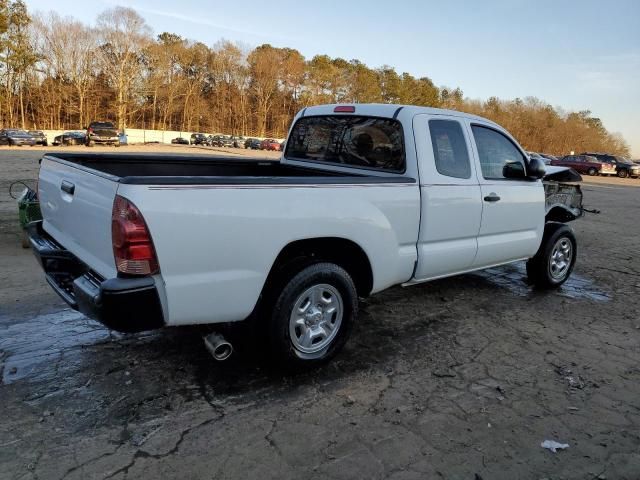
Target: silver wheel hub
561, 257
315, 318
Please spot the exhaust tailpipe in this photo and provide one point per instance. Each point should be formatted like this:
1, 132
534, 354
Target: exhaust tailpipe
218, 347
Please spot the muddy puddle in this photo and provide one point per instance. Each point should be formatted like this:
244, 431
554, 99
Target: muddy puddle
514, 278
35, 349
66, 344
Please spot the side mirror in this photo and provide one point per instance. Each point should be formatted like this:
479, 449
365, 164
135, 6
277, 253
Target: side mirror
536, 168
513, 170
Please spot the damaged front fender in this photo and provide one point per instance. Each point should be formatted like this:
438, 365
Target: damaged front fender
563, 194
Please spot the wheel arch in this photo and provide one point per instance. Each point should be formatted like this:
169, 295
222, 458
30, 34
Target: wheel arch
560, 214
341, 251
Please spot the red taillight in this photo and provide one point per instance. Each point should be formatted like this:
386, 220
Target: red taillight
132, 245
345, 109
90, 130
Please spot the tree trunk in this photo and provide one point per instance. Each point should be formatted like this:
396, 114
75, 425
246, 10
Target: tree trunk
153, 115
81, 107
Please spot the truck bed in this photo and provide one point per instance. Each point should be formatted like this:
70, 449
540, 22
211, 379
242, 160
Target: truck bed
203, 169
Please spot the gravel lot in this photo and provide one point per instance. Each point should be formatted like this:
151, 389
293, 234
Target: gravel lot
458, 379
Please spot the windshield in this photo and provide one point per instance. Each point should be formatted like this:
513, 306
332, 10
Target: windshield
101, 125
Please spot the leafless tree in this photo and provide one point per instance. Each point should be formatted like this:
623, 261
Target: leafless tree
123, 36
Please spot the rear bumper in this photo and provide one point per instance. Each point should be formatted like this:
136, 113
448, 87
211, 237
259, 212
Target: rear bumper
123, 304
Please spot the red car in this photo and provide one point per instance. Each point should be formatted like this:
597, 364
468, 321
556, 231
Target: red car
585, 164
269, 144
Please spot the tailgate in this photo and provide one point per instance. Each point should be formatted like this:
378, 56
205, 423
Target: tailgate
76, 207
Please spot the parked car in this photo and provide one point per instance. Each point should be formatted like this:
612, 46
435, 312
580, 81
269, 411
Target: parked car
269, 144
215, 140
623, 167
585, 164
198, 139
226, 141
364, 215
15, 137
69, 138
103, 133
252, 143
39, 136
180, 141
238, 142
221, 141
282, 145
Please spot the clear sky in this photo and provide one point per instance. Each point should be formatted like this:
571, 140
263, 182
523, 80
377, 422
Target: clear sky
576, 54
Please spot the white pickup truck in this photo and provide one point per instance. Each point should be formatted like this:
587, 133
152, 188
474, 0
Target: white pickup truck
365, 197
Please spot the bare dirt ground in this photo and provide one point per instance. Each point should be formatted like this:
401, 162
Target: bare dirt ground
458, 379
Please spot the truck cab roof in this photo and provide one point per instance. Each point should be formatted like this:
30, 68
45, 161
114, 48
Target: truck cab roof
387, 111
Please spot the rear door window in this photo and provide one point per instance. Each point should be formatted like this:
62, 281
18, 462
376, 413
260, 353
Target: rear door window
356, 141
450, 149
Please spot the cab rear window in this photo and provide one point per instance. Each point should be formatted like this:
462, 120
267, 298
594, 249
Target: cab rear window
355, 141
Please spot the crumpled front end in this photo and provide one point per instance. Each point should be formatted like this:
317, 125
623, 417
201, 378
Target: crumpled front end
563, 194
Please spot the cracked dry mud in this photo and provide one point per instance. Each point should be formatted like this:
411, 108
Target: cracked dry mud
458, 379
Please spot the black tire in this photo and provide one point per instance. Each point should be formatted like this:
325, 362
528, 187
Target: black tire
285, 296
540, 269
592, 171
623, 173
45, 144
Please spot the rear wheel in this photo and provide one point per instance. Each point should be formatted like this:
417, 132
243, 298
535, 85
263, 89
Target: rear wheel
313, 316
623, 173
553, 263
592, 171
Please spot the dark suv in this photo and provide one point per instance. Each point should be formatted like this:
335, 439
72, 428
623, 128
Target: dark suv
198, 139
102, 132
624, 167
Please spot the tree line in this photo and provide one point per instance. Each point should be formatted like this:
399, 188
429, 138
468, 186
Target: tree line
59, 73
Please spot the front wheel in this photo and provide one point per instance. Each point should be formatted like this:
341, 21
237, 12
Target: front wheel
623, 173
313, 316
592, 171
553, 263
